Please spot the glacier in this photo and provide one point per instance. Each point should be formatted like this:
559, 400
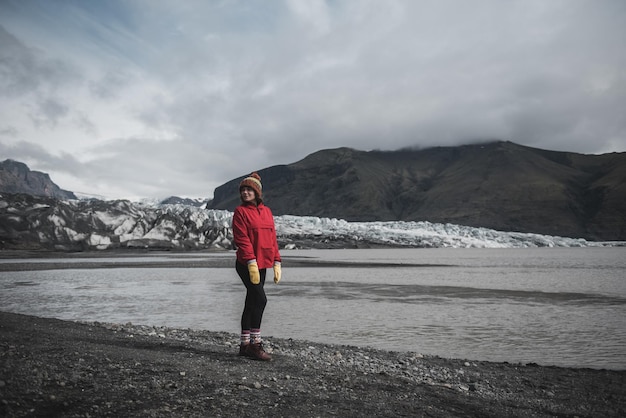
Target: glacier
308, 229
417, 234
32, 222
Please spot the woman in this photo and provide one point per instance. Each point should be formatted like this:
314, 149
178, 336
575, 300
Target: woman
257, 250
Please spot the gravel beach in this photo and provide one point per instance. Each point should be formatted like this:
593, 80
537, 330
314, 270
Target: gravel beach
50, 367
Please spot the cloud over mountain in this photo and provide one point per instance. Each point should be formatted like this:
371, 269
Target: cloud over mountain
138, 99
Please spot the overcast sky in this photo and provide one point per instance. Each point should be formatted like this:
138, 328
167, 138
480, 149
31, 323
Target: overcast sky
152, 98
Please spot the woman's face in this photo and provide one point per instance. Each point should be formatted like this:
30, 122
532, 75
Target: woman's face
247, 194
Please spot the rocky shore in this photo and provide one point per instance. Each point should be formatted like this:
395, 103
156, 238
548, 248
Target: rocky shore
50, 367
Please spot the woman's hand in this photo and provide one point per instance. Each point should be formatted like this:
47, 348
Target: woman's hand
277, 272
253, 270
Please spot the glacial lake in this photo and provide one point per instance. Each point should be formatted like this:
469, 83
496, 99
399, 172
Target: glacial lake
550, 306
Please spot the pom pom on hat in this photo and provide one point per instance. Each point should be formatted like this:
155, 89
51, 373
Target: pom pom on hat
254, 182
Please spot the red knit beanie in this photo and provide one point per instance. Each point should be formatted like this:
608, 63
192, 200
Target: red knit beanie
254, 182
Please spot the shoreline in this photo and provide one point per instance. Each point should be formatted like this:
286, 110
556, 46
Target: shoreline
24, 261
17, 261
64, 368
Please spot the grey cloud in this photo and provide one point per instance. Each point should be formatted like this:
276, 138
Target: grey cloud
37, 156
397, 90
15, 66
111, 84
85, 125
26, 70
34, 82
10, 131
48, 112
147, 168
156, 168
242, 88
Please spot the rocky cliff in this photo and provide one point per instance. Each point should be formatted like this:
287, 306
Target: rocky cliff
16, 177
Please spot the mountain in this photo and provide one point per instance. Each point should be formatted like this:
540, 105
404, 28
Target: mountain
499, 185
16, 177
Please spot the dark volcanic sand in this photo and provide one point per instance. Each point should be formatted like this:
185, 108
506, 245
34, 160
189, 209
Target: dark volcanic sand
59, 368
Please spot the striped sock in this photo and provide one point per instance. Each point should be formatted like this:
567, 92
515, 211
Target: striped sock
245, 336
255, 335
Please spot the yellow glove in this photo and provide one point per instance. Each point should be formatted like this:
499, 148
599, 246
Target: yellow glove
253, 269
277, 272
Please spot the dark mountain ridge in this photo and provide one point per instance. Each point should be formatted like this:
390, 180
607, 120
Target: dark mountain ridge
499, 185
16, 177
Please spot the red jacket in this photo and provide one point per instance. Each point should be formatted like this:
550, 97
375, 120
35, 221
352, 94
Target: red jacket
255, 235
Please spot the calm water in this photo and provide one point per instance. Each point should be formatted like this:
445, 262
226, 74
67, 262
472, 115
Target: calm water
549, 306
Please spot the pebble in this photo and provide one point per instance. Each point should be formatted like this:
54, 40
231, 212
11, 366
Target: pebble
362, 360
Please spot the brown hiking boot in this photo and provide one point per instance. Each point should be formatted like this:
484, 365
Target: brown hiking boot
243, 350
256, 352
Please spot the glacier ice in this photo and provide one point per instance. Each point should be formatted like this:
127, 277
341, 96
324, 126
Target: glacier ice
105, 224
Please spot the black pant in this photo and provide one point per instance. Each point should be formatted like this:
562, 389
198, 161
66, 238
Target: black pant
255, 298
